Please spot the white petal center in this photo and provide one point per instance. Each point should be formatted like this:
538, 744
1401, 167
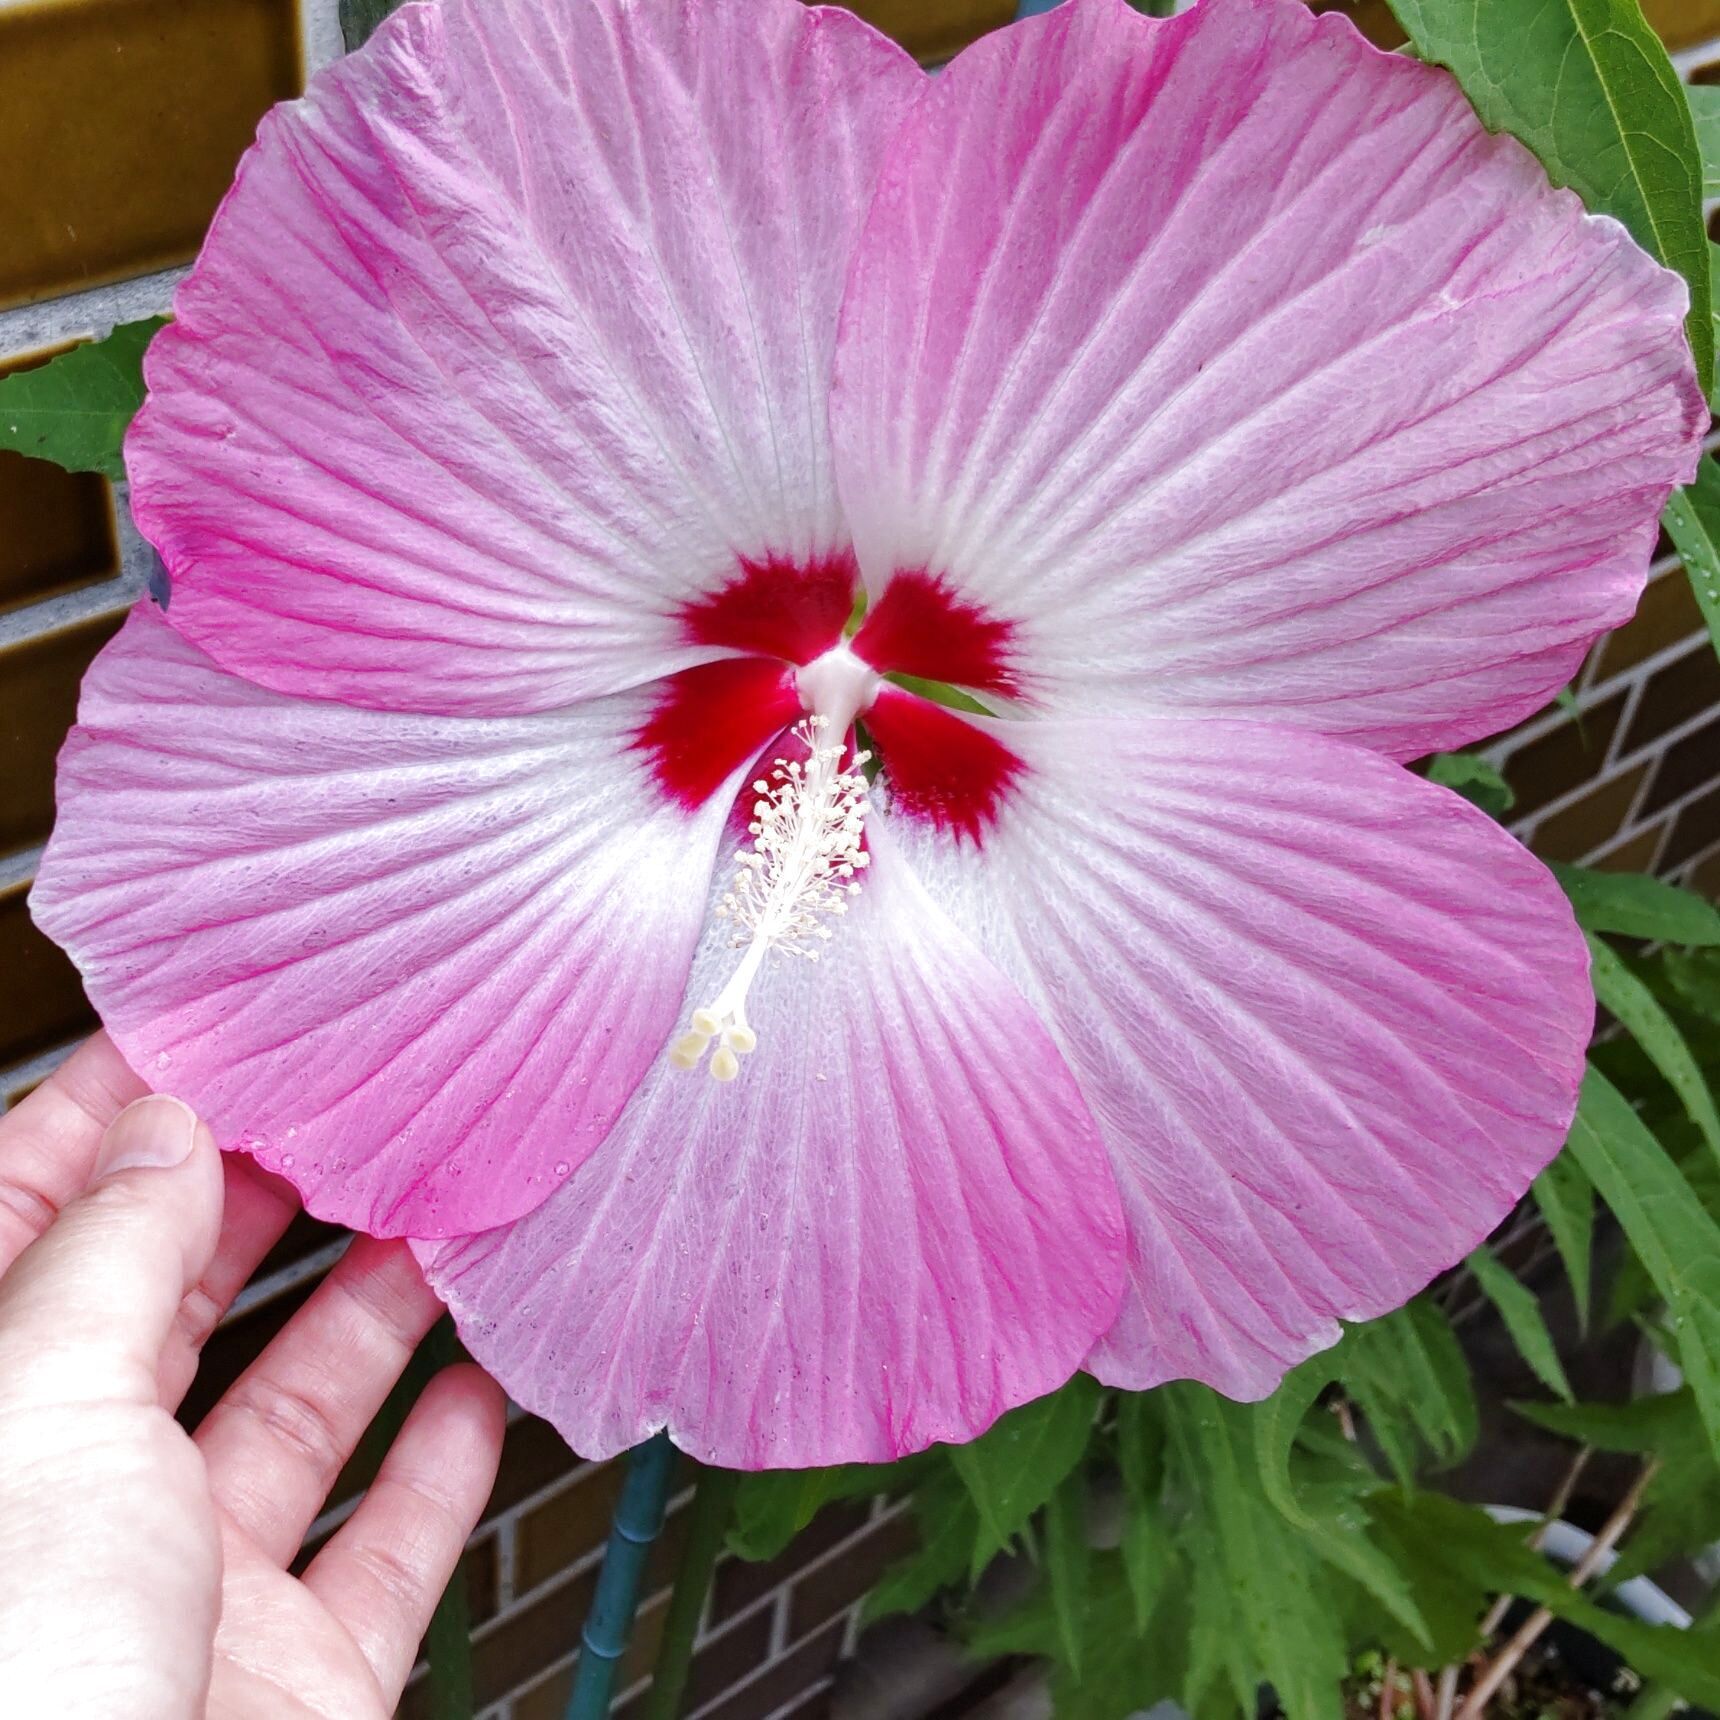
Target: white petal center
803, 863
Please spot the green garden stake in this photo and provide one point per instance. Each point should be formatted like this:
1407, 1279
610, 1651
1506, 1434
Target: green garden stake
638, 1520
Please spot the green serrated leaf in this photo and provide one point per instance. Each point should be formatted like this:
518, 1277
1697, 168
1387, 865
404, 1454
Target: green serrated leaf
1641, 1425
1146, 1549
74, 409
1523, 1320
1566, 1200
1477, 779
948, 1526
1278, 1420
1692, 521
1587, 85
1068, 1562
1470, 1544
1140, 1444
1408, 1376
1123, 1669
1632, 905
1146, 1540
1016, 1465
1676, 1241
1269, 1602
1329, 1518
1637, 1011
1125, 1672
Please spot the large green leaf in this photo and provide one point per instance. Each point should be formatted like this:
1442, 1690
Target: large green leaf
1269, 1613
1016, 1465
1587, 85
1523, 1319
1692, 521
1705, 113
1676, 1241
1640, 1014
1634, 906
949, 1527
1470, 1544
74, 409
1566, 1199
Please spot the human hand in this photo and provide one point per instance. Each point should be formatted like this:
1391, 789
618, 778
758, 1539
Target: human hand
143, 1570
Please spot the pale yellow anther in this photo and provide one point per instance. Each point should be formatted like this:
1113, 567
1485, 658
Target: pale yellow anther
706, 1023
725, 1066
741, 1040
688, 1051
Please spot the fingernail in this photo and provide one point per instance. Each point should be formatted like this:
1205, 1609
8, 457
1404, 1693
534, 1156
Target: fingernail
155, 1133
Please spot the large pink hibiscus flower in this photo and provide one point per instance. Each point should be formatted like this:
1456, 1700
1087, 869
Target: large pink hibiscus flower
1213, 399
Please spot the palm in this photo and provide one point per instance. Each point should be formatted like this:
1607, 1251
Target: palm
280, 1651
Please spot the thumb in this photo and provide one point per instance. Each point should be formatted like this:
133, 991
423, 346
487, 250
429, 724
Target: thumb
86, 1308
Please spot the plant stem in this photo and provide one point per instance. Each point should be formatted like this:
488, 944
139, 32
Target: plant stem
449, 1640
1445, 1697
1529, 1632
713, 1501
636, 1524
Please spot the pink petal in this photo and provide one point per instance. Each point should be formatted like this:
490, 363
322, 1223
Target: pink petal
414, 964
1228, 364
896, 1224
1331, 1017
514, 337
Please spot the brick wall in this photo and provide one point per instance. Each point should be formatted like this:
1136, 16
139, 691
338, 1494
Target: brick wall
119, 124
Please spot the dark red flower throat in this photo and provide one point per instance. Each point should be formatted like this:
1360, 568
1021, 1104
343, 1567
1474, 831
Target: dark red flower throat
779, 616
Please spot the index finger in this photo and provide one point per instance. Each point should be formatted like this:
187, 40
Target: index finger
48, 1143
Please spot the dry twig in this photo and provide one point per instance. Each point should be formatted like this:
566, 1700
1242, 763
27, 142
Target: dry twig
1529, 1632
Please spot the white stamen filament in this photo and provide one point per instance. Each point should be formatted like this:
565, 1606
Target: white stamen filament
798, 873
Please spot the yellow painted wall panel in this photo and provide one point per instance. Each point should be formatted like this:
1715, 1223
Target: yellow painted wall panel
38, 698
120, 124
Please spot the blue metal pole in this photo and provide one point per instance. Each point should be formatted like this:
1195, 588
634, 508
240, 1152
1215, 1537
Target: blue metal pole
637, 1521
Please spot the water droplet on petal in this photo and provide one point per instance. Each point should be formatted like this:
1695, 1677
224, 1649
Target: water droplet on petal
562, 1167
162, 1060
